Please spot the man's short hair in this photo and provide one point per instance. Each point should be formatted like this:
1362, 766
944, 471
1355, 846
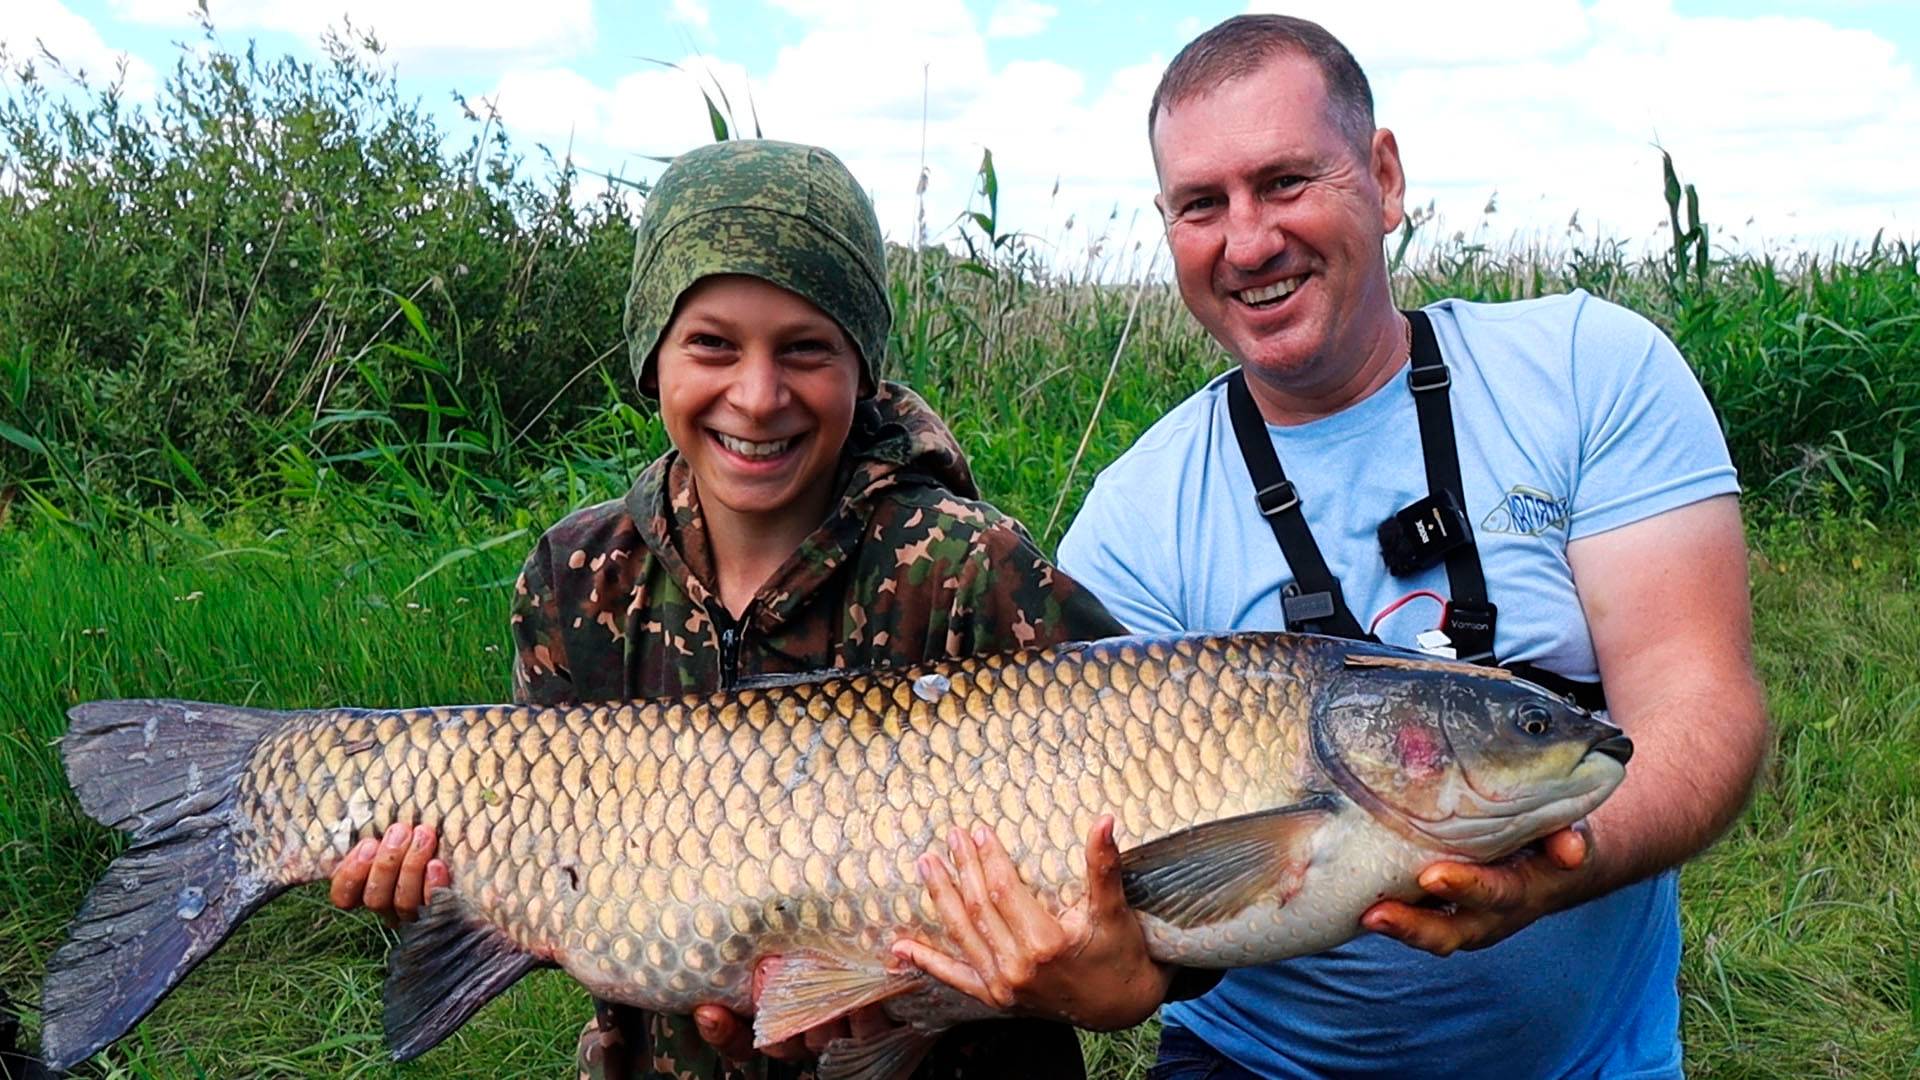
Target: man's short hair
1241, 45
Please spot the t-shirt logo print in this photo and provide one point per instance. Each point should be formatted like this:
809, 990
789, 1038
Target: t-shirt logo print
1527, 511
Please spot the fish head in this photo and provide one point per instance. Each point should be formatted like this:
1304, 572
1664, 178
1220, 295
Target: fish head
1468, 760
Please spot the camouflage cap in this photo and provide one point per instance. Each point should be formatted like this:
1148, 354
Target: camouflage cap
788, 214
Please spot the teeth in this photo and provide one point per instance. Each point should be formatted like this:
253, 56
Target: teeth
1270, 292
747, 448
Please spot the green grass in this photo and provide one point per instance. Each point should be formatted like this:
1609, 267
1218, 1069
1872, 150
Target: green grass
1801, 928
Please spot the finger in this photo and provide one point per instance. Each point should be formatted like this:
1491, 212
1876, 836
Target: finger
1106, 894
1022, 911
350, 877
1484, 888
412, 883
724, 1031
1430, 931
438, 877
819, 1036
954, 920
980, 905
955, 973
1567, 849
386, 867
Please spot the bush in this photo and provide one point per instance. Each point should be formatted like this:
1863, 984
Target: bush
182, 284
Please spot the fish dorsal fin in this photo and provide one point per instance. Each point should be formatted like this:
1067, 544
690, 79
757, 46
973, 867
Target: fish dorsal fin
1437, 665
445, 968
1210, 872
812, 987
890, 1055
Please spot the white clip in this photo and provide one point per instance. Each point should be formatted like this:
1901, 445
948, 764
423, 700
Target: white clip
1436, 643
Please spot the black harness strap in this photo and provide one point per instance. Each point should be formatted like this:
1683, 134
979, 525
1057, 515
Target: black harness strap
1313, 602
1470, 614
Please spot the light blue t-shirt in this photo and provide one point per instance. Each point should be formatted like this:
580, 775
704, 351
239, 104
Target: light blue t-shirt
1596, 423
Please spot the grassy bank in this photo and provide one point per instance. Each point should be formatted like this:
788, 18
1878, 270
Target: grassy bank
1801, 928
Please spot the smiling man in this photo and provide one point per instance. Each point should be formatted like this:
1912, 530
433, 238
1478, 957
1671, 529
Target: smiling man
1550, 467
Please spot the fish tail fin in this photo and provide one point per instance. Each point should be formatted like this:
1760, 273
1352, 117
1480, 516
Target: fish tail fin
165, 772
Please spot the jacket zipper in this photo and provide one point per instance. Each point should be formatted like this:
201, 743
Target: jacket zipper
729, 637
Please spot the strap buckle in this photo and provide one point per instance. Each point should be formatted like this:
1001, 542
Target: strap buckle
1301, 610
1277, 498
1431, 377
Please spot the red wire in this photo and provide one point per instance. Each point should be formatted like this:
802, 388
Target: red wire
1400, 603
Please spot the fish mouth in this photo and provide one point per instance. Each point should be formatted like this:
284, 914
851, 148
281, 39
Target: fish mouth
1617, 747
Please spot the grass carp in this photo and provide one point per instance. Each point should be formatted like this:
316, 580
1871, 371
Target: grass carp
1267, 788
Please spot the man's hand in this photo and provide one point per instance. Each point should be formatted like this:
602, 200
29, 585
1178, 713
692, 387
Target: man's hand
392, 877
1088, 967
1482, 905
732, 1034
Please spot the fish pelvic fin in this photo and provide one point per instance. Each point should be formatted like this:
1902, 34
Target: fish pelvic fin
812, 987
164, 771
1211, 872
447, 965
891, 1055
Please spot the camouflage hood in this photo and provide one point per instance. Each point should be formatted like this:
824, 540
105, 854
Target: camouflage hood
788, 214
896, 441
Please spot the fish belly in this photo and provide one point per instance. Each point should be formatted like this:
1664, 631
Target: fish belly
1355, 863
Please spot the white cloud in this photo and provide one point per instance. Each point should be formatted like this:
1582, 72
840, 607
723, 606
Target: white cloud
410, 27
853, 82
1019, 18
1790, 123
691, 12
26, 26
1394, 33
555, 106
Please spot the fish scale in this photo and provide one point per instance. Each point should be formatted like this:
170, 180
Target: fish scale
659, 851
778, 819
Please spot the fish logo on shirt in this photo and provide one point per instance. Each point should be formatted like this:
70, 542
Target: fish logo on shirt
1527, 511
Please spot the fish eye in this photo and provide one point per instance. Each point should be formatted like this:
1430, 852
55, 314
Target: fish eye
1535, 719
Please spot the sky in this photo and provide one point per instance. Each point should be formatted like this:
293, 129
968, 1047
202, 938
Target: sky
1534, 121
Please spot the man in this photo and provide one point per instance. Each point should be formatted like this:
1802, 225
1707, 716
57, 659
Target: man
1601, 507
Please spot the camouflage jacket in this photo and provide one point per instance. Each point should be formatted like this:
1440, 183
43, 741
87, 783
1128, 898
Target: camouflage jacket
617, 601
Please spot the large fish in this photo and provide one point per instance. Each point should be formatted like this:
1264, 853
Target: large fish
1267, 788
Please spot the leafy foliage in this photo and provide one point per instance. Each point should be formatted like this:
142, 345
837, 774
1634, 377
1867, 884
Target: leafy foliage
187, 286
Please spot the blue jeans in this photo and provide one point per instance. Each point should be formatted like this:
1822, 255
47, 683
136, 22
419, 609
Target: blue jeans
1185, 1056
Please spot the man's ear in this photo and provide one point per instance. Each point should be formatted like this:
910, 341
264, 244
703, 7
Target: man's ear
1391, 178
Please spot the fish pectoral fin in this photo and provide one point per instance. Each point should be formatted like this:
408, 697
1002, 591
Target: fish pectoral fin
445, 968
812, 987
1210, 872
890, 1055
